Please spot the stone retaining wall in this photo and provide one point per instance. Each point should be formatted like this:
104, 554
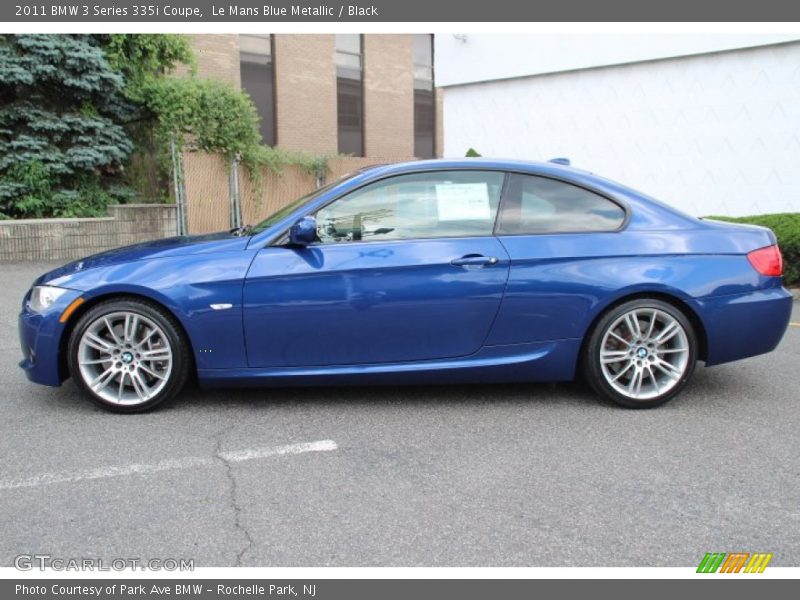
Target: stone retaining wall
64, 239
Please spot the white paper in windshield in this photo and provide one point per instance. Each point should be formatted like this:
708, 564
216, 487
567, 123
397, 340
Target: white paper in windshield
463, 201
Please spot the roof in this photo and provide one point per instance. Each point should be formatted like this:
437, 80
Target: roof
480, 163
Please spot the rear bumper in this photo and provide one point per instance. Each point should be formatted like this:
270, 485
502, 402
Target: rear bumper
743, 325
40, 340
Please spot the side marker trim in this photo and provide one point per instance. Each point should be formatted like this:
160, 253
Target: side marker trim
70, 309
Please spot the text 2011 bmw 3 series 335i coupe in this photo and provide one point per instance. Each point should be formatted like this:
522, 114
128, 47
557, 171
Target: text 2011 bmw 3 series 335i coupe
448, 271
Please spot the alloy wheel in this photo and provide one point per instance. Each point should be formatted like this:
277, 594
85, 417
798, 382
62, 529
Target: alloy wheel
125, 358
644, 353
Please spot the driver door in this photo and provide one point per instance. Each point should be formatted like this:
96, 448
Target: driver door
403, 269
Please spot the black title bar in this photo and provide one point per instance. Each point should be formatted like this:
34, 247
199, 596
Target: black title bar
196, 11
733, 587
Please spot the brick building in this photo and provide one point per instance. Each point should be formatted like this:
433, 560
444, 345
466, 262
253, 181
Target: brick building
365, 95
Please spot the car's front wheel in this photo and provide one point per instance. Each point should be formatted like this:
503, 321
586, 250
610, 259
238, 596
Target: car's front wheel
641, 353
128, 355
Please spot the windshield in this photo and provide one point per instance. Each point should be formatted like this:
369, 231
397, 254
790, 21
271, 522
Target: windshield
281, 213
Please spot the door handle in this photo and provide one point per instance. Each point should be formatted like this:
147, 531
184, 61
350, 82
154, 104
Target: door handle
474, 260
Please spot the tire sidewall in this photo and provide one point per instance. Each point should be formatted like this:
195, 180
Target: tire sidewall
177, 376
591, 359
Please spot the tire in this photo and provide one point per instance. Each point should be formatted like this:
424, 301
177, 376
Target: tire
128, 355
640, 354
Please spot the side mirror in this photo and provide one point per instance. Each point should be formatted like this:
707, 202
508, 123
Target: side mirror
304, 232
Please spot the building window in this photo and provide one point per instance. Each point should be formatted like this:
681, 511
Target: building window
350, 93
424, 100
258, 79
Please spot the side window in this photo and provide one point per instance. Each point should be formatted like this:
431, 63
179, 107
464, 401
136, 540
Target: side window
419, 205
540, 205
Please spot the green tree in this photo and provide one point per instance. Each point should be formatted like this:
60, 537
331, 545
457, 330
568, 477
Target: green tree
144, 57
145, 62
62, 142
197, 113
87, 119
207, 114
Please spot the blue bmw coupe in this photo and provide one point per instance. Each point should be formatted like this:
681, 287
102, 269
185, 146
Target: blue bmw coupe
443, 271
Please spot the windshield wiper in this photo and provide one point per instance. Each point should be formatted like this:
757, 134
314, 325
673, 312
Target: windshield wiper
241, 231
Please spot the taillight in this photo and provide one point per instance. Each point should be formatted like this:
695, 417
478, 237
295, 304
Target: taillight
767, 261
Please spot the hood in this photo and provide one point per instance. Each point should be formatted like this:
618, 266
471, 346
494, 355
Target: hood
163, 248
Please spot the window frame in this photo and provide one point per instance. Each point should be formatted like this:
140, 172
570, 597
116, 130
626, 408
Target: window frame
274, 84
282, 239
434, 128
618, 202
362, 93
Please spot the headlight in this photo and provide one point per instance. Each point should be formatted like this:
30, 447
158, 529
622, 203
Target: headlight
43, 296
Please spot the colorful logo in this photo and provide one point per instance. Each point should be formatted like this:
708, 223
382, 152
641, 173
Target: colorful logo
734, 562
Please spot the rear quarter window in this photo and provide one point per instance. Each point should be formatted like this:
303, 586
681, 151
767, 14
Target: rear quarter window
535, 204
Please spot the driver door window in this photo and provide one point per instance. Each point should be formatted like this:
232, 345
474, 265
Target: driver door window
419, 205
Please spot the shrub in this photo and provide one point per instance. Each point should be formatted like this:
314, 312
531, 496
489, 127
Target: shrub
62, 111
84, 116
786, 227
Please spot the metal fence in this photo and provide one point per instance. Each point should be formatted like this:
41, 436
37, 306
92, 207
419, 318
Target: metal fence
214, 194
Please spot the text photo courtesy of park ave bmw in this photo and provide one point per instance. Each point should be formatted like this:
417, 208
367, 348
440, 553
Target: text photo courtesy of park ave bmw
303, 302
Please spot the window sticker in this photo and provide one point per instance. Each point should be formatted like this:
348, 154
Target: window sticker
463, 202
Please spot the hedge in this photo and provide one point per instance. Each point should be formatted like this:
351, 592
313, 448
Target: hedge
787, 229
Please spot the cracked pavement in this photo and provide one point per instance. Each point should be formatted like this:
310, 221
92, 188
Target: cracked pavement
237, 509
506, 475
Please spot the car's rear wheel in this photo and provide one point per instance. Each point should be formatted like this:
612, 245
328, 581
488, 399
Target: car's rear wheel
641, 353
128, 355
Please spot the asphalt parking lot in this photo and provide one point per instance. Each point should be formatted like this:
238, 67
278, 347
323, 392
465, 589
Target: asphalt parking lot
507, 475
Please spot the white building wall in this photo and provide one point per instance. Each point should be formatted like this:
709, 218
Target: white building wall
470, 58
711, 134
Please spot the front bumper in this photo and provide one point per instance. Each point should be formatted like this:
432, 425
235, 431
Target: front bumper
743, 325
40, 336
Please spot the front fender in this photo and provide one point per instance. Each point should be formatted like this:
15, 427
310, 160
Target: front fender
187, 286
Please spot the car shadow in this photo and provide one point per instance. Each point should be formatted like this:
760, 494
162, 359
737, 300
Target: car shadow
706, 384
724, 382
410, 395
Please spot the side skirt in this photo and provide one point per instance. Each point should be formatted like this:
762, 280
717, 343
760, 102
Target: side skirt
535, 362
